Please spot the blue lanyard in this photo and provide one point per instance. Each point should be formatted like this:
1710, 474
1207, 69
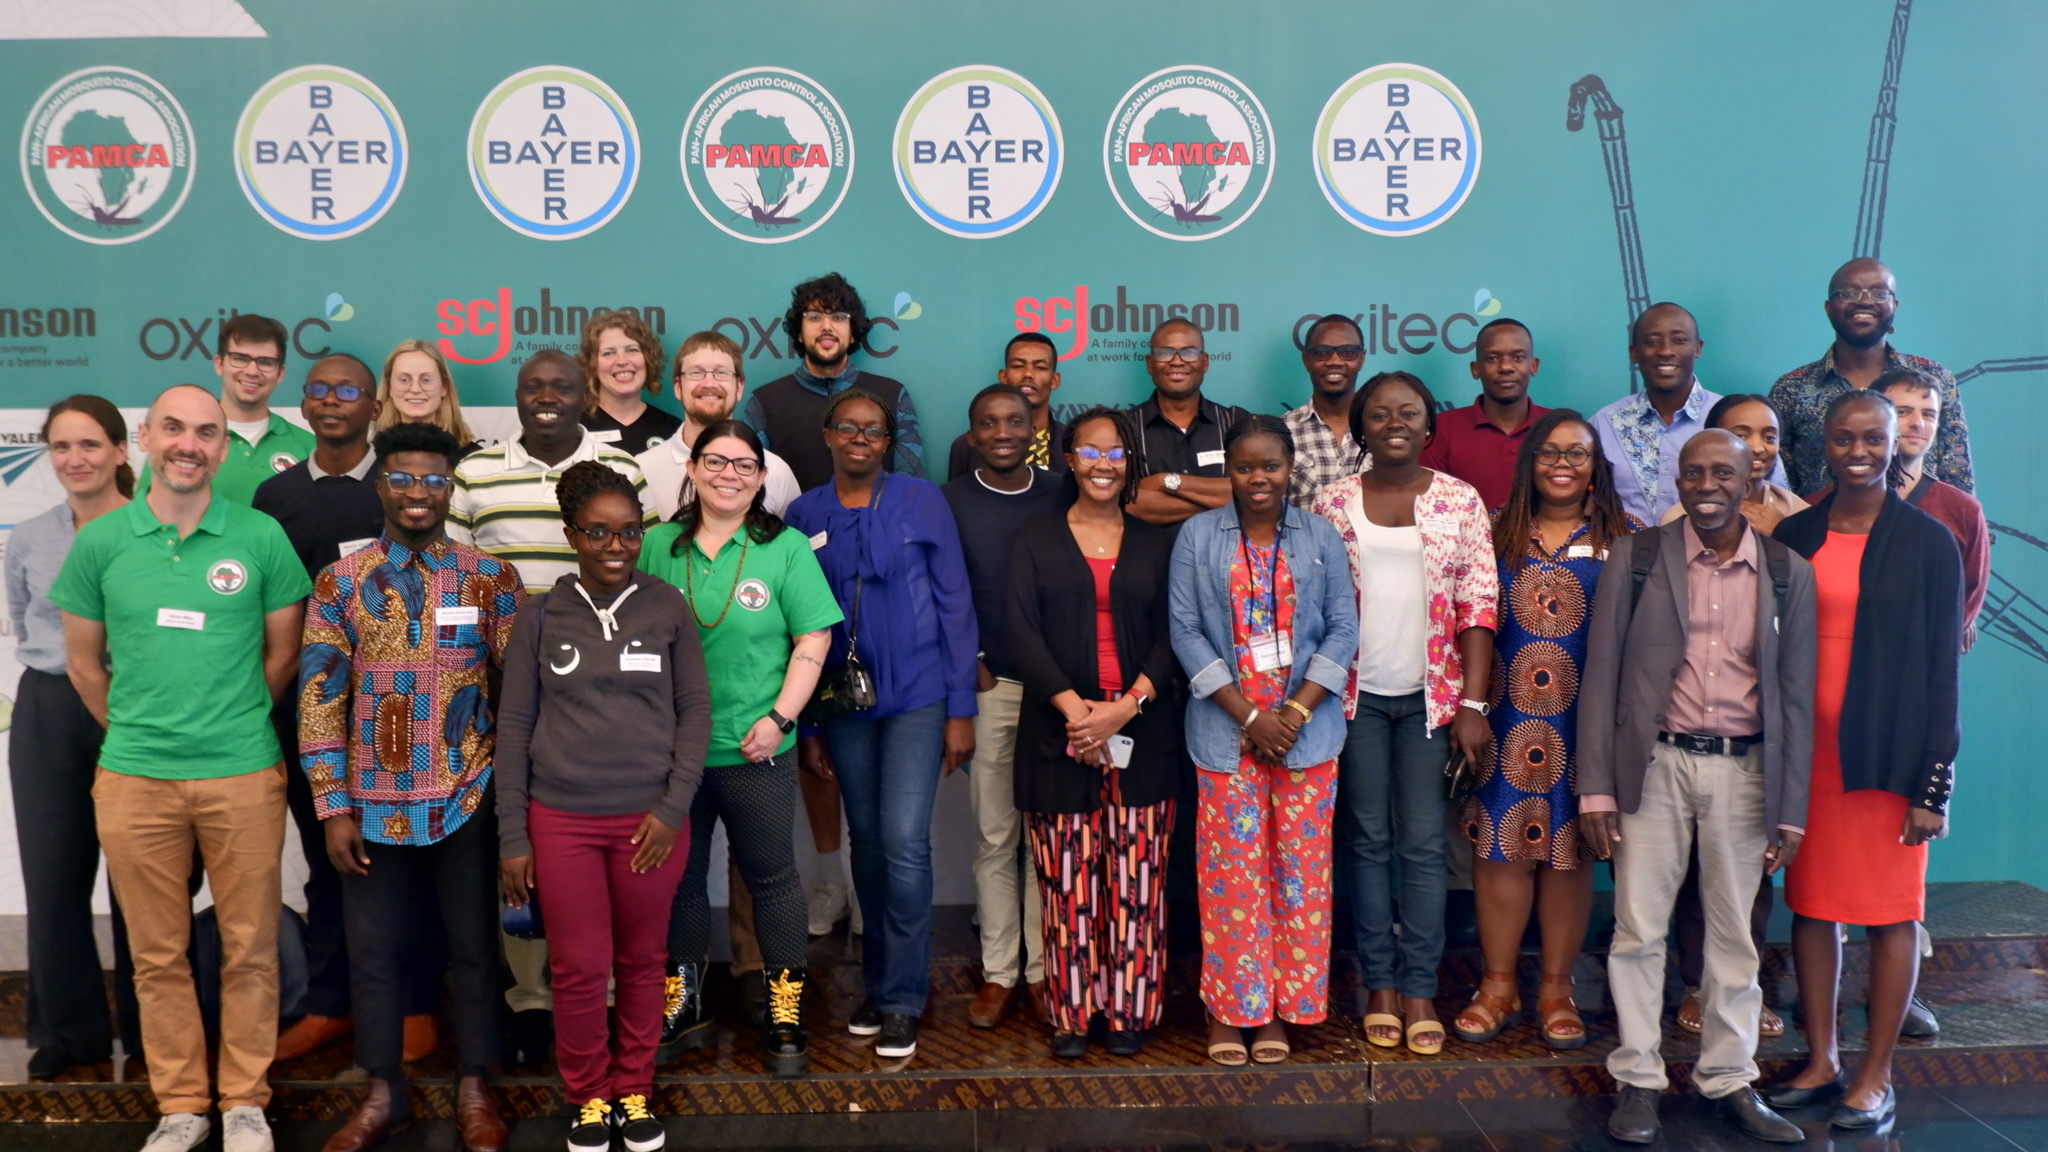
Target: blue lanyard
1273, 576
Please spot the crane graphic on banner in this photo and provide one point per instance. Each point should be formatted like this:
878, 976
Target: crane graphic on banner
1635, 281
1884, 124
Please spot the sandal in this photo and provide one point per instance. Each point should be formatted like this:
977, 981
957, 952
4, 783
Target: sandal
1269, 1051
1491, 1011
1560, 1016
1229, 1053
1424, 1026
1382, 1020
1690, 1015
1769, 1023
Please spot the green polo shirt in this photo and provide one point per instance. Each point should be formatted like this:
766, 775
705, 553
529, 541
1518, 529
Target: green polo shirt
781, 593
184, 623
249, 465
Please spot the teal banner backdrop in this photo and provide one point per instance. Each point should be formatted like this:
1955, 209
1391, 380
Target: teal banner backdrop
487, 174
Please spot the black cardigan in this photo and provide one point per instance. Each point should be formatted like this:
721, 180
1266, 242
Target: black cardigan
1052, 639
1899, 729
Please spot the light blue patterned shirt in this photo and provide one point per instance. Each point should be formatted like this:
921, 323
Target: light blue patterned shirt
1644, 450
35, 554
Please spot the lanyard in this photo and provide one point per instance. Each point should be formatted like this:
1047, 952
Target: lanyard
1273, 576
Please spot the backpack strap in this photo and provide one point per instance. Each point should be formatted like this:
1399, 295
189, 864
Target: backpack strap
1778, 559
1641, 561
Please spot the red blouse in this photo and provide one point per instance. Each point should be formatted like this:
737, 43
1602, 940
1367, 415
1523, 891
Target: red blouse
1109, 674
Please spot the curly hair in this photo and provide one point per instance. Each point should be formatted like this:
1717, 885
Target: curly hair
637, 331
1373, 385
1126, 434
428, 438
586, 481
448, 416
827, 293
762, 525
1516, 519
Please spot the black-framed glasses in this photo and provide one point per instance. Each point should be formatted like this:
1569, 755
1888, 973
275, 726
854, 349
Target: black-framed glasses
1091, 454
404, 481
699, 375
1862, 295
1342, 351
599, 536
267, 363
742, 465
1575, 456
874, 432
346, 393
816, 317
1169, 355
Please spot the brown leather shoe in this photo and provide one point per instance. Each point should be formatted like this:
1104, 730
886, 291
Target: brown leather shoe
476, 1117
369, 1124
311, 1032
422, 1036
1034, 1003
990, 1005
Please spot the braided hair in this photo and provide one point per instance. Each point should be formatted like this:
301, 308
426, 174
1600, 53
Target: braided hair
584, 482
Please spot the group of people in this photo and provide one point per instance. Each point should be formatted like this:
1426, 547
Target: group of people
1182, 651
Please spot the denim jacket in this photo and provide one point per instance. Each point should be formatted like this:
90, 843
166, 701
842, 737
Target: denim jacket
1325, 631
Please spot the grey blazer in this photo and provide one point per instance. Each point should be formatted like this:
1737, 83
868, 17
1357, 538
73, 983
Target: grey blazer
1632, 658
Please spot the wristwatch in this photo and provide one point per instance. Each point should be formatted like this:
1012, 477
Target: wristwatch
1479, 706
1172, 482
782, 722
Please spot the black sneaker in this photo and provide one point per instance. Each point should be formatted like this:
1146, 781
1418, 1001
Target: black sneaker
530, 1039
784, 1046
638, 1128
591, 1130
866, 1019
1125, 1042
686, 1024
899, 1037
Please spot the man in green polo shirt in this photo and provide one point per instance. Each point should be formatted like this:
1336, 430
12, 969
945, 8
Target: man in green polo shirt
260, 443
181, 628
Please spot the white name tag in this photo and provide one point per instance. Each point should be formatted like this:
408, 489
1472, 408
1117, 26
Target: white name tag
639, 661
351, 547
608, 436
1439, 527
450, 617
180, 618
1579, 552
817, 541
1271, 650
1205, 459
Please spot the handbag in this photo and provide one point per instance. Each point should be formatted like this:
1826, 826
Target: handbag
847, 689
1460, 777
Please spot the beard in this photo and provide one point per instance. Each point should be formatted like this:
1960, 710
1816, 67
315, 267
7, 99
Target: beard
1857, 340
836, 363
205, 478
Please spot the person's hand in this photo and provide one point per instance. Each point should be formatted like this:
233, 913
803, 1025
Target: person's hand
515, 879
813, 760
1601, 831
1103, 719
1269, 736
1969, 635
959, 743
1780, 855
345, 845
761, 741
656, 841
984, 680
1922, 826
1472, 735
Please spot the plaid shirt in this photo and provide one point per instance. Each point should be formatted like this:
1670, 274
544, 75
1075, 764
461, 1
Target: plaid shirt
1319, 458
1803, 395
394, 726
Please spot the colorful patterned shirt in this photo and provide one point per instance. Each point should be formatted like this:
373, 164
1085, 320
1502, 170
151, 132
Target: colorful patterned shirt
394, 724
1803, 395
1320, 458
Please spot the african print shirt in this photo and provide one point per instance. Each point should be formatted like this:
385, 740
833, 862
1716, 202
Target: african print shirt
1802, 395
394, 725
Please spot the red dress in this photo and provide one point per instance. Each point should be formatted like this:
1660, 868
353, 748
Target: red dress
1851, 867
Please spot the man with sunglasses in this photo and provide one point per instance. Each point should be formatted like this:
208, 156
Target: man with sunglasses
1478, 444
250, 361
1180, 434
1324, 449
403, 638
1863, 300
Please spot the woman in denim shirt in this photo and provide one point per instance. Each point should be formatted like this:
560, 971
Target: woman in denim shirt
1265, 623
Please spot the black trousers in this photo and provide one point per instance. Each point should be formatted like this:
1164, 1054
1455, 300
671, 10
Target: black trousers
462, 873
758, 804
53, 749
1692, 922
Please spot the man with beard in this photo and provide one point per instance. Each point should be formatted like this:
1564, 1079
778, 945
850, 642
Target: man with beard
181, 629
709, 382
1479, 444
250, 362
1031, 365
1325, 451
1180, 434
1862, 302
825, 323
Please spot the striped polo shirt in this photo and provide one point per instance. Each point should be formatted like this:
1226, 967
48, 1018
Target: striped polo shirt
504, 503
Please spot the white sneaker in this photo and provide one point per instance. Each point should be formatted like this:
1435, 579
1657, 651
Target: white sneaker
828, 906
854, 926
244, 1129
177, 1132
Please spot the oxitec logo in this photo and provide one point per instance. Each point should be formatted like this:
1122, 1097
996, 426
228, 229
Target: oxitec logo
1189, 153
107, 155
1397, 149
320, 152
554, 153
767, 155
978, 152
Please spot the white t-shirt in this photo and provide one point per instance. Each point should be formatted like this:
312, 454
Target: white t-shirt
251, 431
1392, 611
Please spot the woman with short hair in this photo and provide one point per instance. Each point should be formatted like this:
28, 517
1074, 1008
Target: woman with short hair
621, 358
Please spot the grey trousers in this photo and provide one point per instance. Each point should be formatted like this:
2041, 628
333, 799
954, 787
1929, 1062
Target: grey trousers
1004, 893
1719, 800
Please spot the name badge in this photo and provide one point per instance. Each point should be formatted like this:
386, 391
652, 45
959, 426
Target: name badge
1579, 552
1210, 458
450, 617
817, 541
181, 618
639, 661
1272, 650
1436, 526
351, 547
608, 436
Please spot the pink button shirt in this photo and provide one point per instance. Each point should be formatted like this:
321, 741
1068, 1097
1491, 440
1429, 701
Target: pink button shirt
1716, 690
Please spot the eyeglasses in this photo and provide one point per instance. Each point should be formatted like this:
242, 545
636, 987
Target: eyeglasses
743, 465
599, 536
346, 393
1169, 355
1342, 351
267, 363
1862, 295
1092, 454
699, 375
404, 481
1574, 456
814, 317
873, 432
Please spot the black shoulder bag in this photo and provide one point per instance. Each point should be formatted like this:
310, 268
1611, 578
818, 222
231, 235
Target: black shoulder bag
849, 688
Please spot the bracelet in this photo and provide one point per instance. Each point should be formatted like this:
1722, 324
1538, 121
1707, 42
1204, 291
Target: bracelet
1248, 718
1297, 705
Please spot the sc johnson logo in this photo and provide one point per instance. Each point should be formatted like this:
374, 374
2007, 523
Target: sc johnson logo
978, 152
1397, 149
320, 152
767, 155
553, 153
495, 319
107, 155
1058, 315
1189, 153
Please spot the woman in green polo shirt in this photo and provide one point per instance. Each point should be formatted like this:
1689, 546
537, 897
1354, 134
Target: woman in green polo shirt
764, 614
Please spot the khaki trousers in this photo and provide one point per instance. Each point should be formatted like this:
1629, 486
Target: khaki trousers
1721, 799
148, 828
1004, 894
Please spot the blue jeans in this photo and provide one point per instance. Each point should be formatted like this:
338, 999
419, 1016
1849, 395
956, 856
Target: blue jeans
1390, 797
888, 773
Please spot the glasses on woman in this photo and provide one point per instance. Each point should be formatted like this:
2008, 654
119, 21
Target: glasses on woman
700, 375
1574, 456
873, 432
598, 536
741, 465
404, 481
1092, 454
346, 393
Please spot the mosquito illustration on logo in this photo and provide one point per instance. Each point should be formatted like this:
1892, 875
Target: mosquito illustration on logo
110, 217
766, 218
1188, 214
